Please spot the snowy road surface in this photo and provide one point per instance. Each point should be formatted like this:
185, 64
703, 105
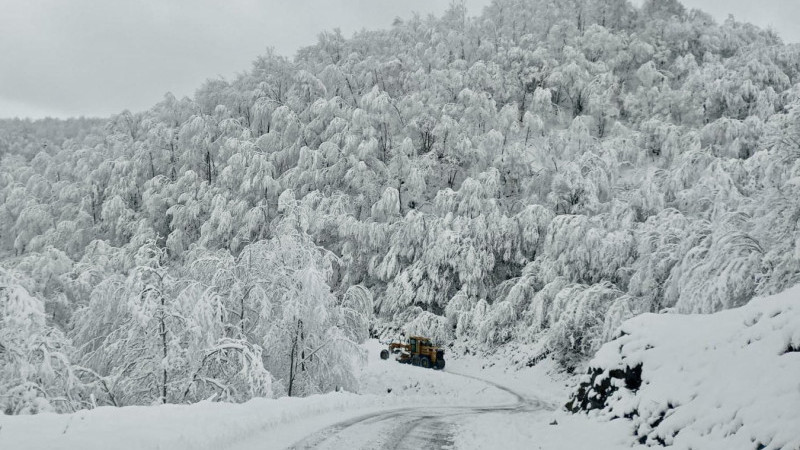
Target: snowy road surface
410, 428
473, 404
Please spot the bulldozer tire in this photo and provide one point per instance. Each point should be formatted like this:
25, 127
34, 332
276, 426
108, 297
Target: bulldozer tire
425, 362
415, 360
384, 354
439, 364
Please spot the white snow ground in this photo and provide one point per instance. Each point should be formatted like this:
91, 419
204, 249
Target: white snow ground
729, 380
275, 423
415, 393
548, 428
732, 380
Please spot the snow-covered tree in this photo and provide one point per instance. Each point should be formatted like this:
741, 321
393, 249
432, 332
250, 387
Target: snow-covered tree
35, 370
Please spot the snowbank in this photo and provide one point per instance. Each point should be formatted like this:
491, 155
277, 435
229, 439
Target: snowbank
206, 425
720, 381
199, 426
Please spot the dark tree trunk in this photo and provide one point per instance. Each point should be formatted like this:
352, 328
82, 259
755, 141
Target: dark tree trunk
292, 356
163, 332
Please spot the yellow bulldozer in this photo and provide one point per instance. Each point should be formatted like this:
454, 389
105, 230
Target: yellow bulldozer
418, 352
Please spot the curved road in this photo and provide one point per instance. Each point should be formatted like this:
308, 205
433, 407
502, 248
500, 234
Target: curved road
408, 428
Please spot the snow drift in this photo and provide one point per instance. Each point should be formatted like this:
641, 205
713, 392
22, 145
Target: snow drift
720, 381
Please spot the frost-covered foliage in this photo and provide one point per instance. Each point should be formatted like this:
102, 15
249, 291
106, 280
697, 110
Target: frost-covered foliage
147, 337
719, 381
261, 324
540, 173
35, 370
29, 137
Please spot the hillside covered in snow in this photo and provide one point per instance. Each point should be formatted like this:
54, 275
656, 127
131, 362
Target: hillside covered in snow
722, 381
532, 176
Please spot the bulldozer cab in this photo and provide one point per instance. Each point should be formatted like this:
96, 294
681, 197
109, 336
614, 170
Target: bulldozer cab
419, 344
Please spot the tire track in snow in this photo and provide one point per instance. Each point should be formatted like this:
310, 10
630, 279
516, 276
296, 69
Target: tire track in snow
429, 431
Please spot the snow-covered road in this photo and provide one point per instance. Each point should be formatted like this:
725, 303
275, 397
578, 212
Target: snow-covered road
397, 429
411, 428
473, 404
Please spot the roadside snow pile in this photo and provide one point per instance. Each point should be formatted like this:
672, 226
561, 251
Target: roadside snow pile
720, 381
208, 425
203, 425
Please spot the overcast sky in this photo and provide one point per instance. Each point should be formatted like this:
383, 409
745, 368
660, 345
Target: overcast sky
97, 57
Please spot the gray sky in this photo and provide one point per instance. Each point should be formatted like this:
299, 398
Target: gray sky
97, 57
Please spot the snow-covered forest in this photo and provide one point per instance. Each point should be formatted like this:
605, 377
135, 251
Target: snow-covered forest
537, 174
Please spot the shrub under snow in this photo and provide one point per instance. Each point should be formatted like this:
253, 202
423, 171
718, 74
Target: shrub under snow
719, 381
